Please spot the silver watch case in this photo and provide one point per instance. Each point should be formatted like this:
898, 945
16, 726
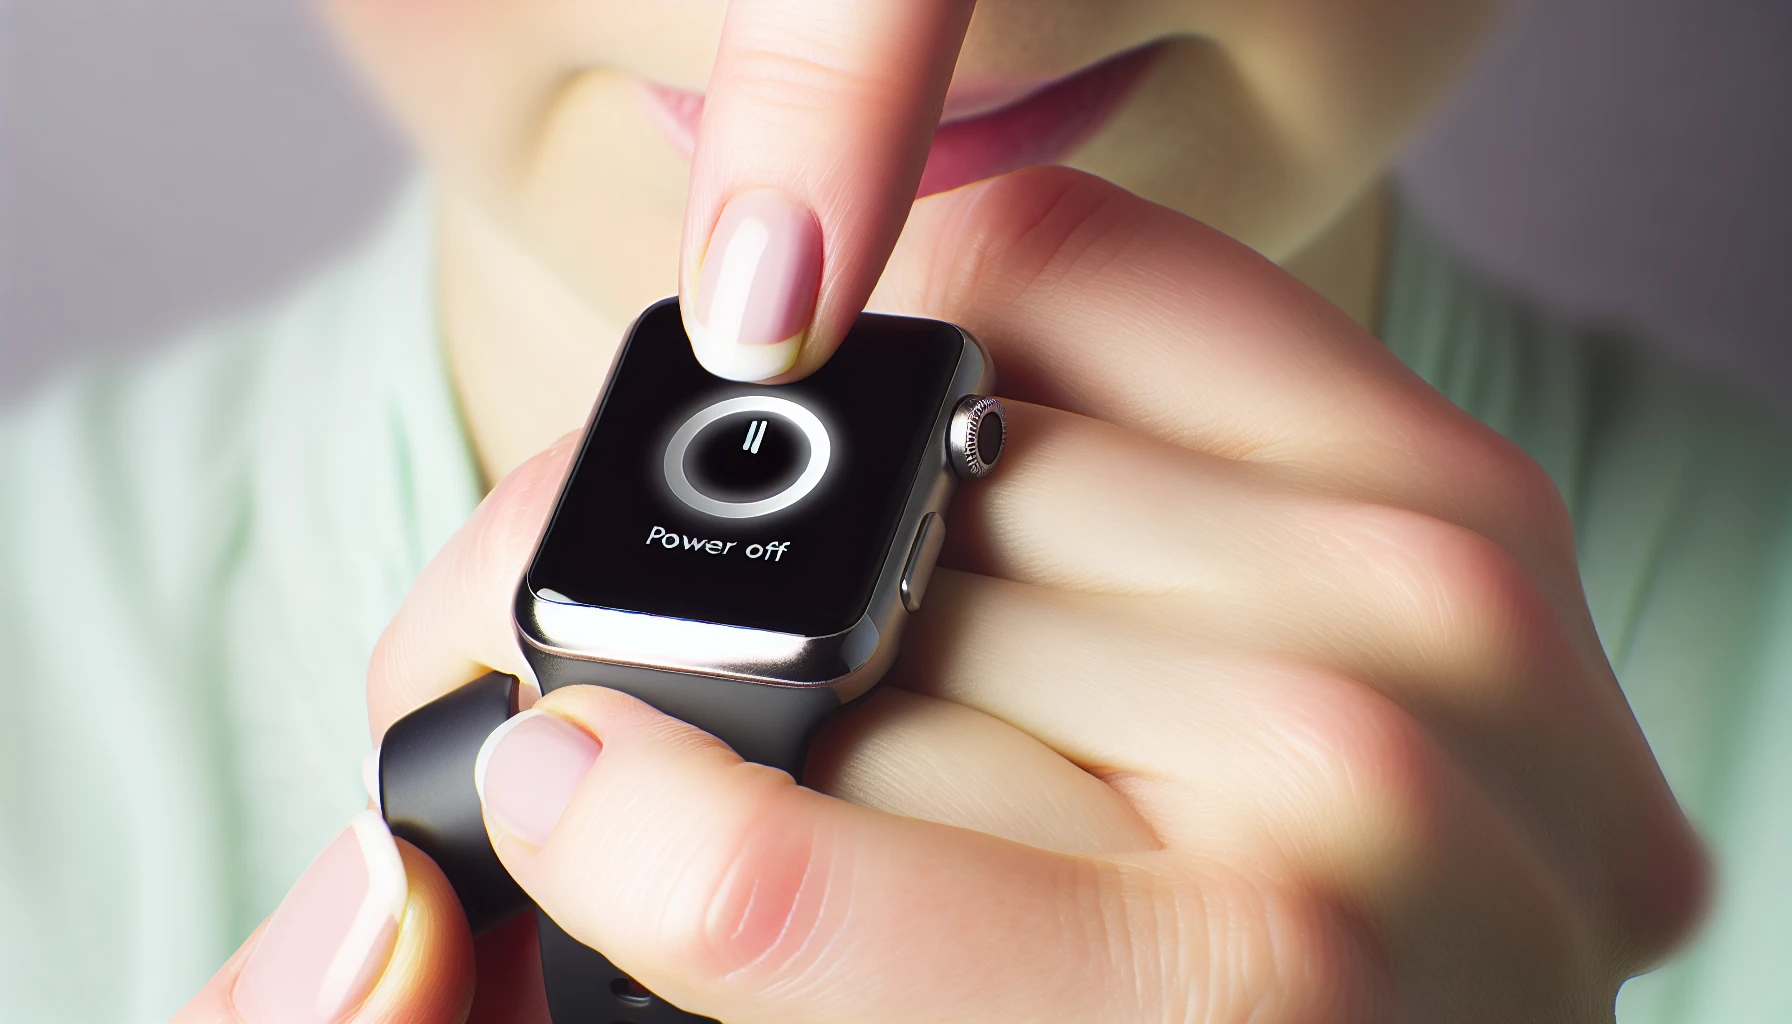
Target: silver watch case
849, 662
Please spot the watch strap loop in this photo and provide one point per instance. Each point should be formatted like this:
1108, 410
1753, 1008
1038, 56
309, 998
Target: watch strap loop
428, 796
429, 799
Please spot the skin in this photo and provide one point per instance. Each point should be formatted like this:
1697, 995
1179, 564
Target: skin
1258, 683
563, 206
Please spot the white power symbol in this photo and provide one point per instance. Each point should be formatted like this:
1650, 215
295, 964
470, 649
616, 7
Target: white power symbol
820, 450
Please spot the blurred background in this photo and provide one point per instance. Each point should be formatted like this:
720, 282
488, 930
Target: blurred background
165, 162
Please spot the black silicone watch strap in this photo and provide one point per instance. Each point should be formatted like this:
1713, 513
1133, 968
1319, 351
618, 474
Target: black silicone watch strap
428, 798
584, 987
769, 725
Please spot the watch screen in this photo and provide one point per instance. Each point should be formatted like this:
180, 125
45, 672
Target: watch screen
769, 507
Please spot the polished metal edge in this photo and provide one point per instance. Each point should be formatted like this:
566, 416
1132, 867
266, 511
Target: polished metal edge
620, 637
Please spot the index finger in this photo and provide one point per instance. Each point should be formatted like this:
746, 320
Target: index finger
815, 131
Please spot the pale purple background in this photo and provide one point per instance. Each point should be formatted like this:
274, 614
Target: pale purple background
161, 162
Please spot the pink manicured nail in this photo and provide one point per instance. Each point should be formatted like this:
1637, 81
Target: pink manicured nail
331, 938
528, 770
756, 291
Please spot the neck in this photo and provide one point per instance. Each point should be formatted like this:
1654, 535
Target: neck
528, 355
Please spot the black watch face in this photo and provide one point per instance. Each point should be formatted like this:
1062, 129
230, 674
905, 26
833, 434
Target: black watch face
765, 507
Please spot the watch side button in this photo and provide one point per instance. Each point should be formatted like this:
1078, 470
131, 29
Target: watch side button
919, 569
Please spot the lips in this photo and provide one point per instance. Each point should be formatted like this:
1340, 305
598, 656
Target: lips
1044, 125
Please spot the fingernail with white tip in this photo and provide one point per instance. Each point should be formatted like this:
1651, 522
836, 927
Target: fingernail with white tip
528, 770
328, 943
370, 777
757, 287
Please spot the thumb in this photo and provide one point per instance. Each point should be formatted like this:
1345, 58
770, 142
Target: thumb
370, 932
732, 892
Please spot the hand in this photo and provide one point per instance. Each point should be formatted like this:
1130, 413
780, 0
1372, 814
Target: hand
815, 131
371, 932
1263, 688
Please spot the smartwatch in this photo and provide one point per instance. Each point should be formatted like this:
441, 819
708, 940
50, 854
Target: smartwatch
742, 557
